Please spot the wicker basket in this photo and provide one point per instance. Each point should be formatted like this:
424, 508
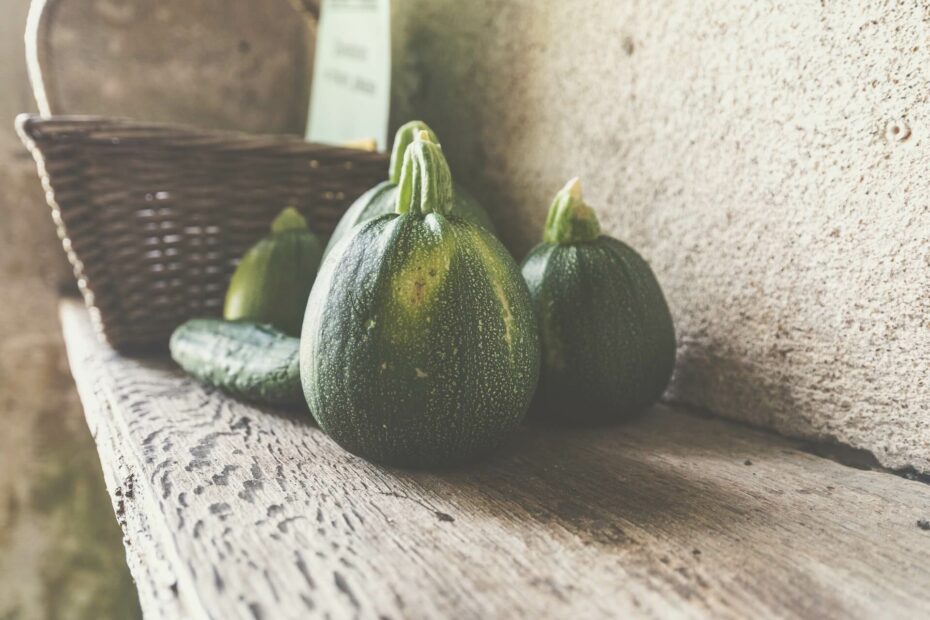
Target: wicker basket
154, 217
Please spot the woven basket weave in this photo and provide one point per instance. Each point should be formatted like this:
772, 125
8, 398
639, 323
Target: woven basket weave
154, 217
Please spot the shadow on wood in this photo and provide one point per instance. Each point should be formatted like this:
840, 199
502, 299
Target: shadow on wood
593, 483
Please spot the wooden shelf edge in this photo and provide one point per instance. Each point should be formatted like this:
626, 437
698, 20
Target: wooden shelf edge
232, 511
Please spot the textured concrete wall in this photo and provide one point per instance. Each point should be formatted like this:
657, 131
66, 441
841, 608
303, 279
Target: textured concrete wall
769, 159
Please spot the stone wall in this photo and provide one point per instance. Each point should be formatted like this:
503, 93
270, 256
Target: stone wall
769, 159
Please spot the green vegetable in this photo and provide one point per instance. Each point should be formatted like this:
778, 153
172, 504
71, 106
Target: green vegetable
250, 361
419, 346
382, 198
273, 279
608, 341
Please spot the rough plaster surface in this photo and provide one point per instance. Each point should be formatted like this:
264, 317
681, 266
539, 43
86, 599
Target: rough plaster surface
769, 160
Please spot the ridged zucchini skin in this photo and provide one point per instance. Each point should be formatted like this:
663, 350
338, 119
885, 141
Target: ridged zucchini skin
382, 198
419, 346
272, 282
608, 342
250, 361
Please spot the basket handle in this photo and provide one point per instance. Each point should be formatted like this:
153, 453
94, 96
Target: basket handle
37, 41
310, 8
37, 52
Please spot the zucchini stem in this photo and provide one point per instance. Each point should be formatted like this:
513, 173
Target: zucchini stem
570, 219
402, 139
289, 219
425, 179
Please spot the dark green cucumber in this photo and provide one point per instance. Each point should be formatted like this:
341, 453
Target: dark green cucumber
419, 346
382, 198
608, 342
250, 361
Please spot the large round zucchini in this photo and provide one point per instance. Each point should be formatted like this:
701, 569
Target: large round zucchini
419, 345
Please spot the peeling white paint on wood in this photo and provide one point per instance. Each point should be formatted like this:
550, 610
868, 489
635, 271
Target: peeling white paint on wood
239, 512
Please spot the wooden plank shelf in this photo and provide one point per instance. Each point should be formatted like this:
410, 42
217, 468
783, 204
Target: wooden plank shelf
232, 511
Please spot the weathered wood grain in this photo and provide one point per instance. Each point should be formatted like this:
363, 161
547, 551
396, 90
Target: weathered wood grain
236, 512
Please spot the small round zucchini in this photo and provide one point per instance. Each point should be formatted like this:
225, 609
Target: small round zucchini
608, 343
273, 280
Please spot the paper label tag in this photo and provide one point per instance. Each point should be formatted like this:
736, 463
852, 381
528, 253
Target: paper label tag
350, 97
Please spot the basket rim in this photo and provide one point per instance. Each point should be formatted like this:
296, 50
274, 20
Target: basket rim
38, 129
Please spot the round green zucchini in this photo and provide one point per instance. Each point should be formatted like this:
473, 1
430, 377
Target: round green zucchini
608, 343
273, 280
382, 198
419, 346
250, 361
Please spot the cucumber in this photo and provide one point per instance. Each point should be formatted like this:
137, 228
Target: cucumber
247, 360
